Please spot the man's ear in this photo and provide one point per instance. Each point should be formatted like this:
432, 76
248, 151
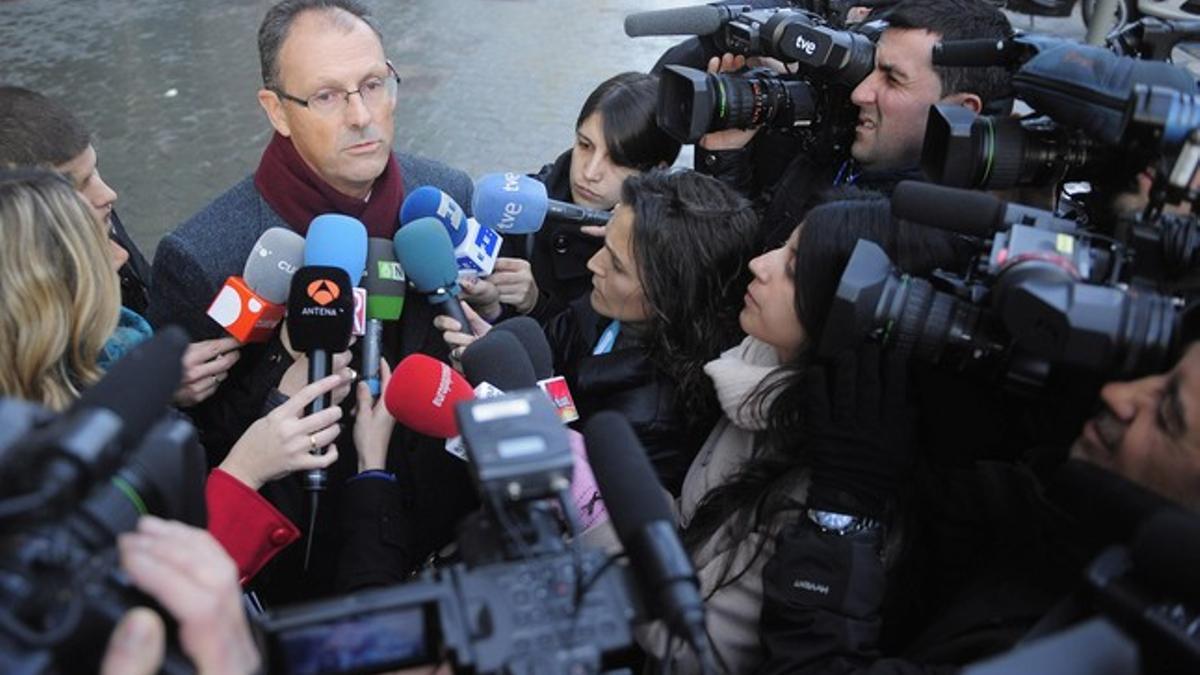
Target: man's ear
273, 106
971, 102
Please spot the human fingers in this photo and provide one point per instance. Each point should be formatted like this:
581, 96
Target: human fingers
137, 644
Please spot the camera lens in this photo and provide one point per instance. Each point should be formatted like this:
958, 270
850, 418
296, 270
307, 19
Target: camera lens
692, 103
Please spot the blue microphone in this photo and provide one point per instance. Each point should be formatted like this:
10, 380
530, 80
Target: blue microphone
335, 240
476, 246
512, 203
426, 253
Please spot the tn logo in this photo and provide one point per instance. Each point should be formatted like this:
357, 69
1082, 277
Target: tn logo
323, 291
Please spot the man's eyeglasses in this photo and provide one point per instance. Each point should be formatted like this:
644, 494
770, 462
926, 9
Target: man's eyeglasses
374, 91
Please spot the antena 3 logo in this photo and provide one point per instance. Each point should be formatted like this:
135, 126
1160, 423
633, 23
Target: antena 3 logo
323, 291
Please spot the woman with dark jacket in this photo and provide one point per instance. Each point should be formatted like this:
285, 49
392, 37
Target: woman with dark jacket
666, 291
757, 471
615, 137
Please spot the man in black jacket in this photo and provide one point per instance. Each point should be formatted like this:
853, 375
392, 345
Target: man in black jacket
893, 103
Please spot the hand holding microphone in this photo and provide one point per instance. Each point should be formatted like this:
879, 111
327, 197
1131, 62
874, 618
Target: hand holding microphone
373, 424
284, 440
458, 339
205, 366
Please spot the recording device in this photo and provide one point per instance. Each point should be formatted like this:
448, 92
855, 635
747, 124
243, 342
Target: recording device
1153, 38
788, 34
514, 203
692, 102
385, 283
476, 246
521, 602
72, 483
426, 253
1036, 295
996, 152
251, 306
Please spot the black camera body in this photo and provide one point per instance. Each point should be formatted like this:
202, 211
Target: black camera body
61, 591
523, 600
831, 62
1039, 294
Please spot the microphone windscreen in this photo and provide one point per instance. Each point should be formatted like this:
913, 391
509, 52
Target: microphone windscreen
974, 53
427, 256
422, 393
430, 202
533, 340
1108, 507
498, 359
969, 212
385, 281
632, 494
140, 385
336, 240
320, 309
509, 203
698, 20
276, 256
1166, 552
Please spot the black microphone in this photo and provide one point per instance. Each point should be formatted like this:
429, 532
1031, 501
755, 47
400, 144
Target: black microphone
498, 359
320, 320
1109, 508
139, 386
640, 514
533, 340
698, 20
969, 212
1166, 552
572, 213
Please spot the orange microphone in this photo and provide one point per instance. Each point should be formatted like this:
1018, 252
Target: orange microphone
250, 307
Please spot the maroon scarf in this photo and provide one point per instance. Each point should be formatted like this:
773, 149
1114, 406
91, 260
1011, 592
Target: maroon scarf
298, 194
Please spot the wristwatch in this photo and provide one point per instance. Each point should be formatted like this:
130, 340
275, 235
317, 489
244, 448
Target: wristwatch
841, 524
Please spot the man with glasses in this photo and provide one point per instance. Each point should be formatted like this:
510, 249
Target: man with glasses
330, 93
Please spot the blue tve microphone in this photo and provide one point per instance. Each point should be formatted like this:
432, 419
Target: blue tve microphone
424, 250
476, 246
512, 203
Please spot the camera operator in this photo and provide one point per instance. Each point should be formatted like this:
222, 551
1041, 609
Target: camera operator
893, 104
980, 593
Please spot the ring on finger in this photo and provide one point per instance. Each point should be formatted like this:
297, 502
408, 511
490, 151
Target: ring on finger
312, 443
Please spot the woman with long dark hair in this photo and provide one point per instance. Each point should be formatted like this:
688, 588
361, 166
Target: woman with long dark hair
751, 477
616, 136
666, 290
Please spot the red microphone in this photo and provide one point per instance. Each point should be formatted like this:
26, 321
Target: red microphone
249, 307
422, 394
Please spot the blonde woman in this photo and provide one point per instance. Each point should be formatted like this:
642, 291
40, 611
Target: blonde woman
59, 307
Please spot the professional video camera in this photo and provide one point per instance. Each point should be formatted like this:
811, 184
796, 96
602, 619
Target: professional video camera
1041, 293
523, 601
831, 61
72, 483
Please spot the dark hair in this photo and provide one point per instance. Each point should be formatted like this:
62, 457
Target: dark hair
958, 20
627, 104
36, 131
757, 493
278, 21
693, 238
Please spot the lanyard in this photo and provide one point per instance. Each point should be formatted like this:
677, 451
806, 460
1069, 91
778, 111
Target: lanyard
607, 339
846, 174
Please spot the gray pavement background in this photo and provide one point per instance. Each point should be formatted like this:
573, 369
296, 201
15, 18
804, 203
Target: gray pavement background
168, 86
